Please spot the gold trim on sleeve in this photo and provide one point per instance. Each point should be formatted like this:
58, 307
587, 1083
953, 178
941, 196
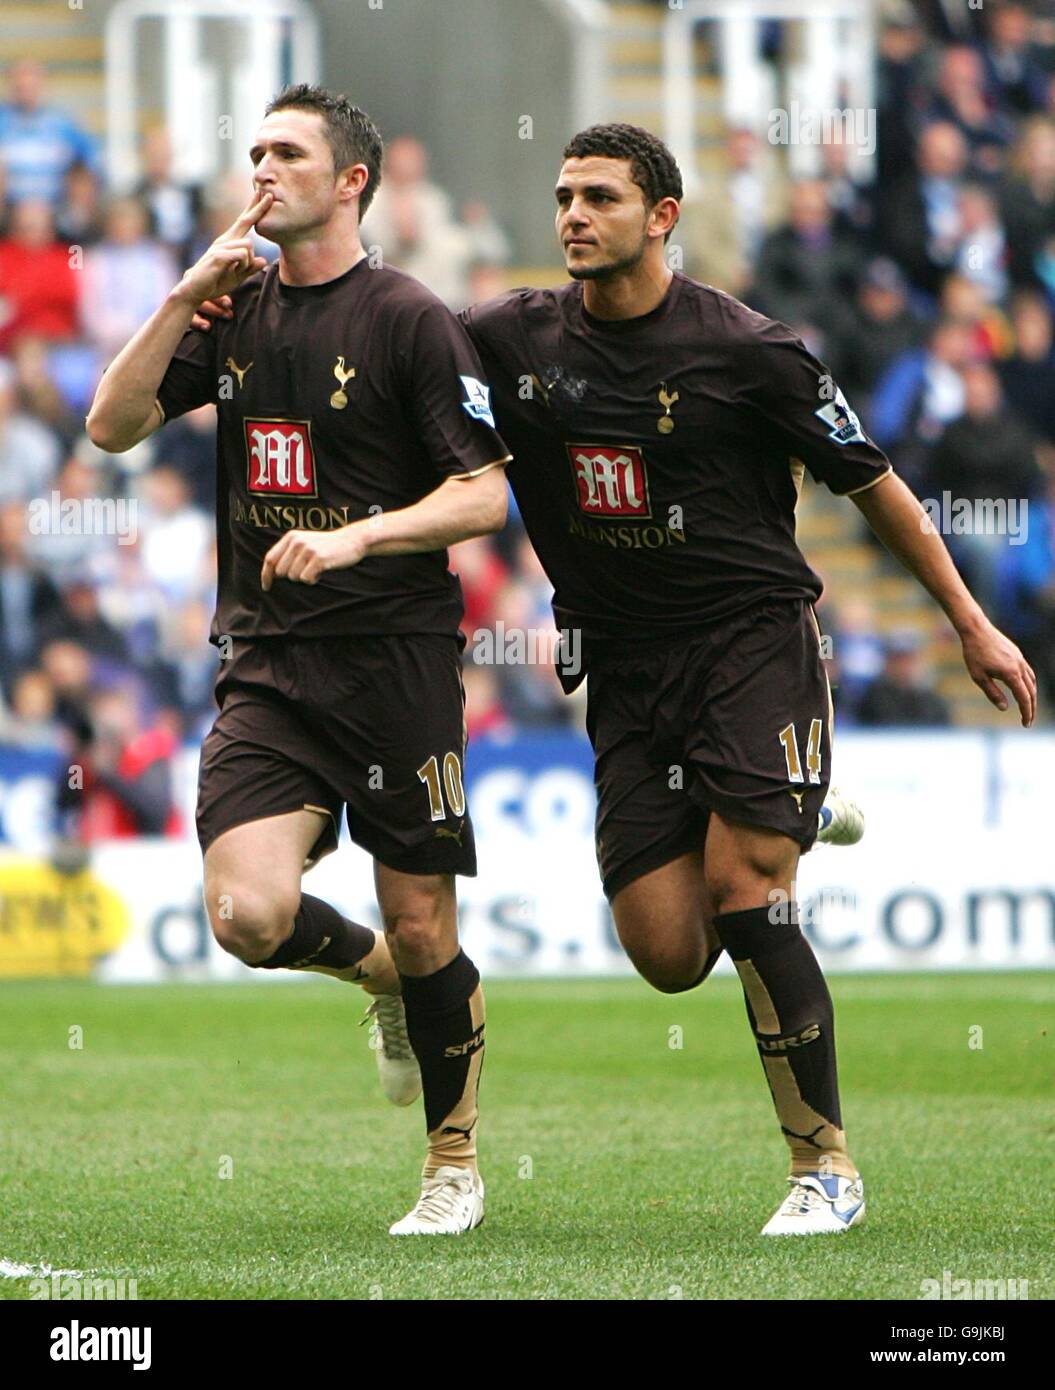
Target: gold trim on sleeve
161, 408
475, 473
865, 486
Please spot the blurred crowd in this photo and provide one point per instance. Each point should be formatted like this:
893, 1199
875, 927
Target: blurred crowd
930, 293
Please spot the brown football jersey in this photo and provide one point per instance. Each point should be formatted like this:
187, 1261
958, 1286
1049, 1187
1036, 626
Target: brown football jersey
658, 460
335, 402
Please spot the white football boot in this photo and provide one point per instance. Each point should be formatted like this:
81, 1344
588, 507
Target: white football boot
818, 1206
842, 821
451, 1203
396, 1064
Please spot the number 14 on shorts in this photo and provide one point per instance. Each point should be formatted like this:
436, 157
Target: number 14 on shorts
790, 743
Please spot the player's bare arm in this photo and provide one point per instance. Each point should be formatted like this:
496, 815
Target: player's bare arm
901, 523
461, 507
125, 410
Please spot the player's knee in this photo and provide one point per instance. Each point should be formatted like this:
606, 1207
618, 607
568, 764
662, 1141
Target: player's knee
746, 883
671, 972
413, 931
249, 924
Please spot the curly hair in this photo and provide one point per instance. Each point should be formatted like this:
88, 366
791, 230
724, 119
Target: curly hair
351, 134
652, 166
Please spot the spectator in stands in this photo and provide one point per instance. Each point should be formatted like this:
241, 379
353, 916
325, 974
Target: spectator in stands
1014, 79
920, 393
899, 79
987, 455
482, 575
961, 99
189, 446
182, 679
919, 215
982, 256
30, 721
125, 278
68, 547
1027, 199
857, 651
488, 243
69, 668
127, 774
1028, 376
413, 222
130, 601
964, 301
850, 199
530, 691
883, 326
28, 599
40, 396
484, 715
174, 206
30, 452
723, 229
952, 20
38, 285
178, 537
807, 270
78, 219
39, 142
900, 694
79, 621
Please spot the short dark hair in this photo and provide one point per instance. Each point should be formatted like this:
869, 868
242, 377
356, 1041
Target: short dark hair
351, 134
652, 166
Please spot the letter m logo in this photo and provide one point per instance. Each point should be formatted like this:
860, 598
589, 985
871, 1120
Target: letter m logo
610, 480
279, 458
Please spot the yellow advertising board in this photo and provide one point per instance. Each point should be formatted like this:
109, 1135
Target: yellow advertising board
54, 923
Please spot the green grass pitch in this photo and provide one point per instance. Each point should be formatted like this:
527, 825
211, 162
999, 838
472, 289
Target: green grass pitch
617, 1166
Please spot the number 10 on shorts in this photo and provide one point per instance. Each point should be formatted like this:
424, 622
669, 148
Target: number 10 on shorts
790, 743
451, 783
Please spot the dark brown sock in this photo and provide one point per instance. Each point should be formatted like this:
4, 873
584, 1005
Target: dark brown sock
445, 1024
320, 937
791, 1015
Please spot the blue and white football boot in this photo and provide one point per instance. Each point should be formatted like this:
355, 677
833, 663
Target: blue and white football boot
818, 1205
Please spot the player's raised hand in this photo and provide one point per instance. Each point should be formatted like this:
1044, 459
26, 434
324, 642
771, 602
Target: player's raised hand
302, 556
990, 657
221, 308
229, 260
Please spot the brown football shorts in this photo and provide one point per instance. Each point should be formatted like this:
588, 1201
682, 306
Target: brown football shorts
734, 719
371, 726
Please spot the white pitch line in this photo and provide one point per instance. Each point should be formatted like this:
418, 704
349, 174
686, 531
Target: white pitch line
10, 1270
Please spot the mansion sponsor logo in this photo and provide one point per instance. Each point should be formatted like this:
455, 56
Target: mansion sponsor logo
280, 457
287, 517
532, 646
977, 516
625, 537
610, 481
84, 516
